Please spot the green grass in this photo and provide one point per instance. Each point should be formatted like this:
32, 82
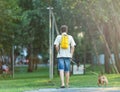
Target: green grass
40, 79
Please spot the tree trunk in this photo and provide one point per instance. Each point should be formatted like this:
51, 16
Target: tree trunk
107, 57
30, 64
116, 51
107, 64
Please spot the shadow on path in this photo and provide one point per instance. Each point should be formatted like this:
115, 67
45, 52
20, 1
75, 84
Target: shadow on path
113, 89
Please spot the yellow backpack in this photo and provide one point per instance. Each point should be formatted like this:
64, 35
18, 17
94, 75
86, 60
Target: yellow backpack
64, 42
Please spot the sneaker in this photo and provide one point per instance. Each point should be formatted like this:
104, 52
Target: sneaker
62, 87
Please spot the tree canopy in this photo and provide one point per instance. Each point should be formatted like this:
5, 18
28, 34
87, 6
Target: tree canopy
94, 24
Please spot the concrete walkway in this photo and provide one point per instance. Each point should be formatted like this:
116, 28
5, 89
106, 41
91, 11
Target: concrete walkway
114, 89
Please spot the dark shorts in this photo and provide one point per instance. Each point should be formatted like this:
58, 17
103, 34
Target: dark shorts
64, 64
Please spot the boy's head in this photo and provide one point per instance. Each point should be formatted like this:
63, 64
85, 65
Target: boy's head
64, 28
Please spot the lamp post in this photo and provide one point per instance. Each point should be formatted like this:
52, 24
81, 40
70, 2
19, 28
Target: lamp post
50, 44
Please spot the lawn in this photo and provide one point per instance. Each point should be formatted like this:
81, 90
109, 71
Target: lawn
40, 79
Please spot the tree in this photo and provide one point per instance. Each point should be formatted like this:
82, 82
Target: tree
34, 30
95, 14
9, 14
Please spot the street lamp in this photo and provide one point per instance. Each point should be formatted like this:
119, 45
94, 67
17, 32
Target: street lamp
50, 44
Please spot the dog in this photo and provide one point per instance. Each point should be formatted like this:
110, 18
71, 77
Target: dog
102, 80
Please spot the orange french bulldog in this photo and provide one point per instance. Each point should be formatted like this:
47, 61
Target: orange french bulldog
102, 80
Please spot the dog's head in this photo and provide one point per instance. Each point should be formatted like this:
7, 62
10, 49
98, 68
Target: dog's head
102, 80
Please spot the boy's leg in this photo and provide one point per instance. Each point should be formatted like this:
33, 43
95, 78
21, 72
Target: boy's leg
61, 70
62, 77
67, 74
67, 71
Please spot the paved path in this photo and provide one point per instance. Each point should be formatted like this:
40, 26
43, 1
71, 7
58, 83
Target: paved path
114, 89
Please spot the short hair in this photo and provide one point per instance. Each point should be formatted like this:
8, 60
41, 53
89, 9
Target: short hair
64, 28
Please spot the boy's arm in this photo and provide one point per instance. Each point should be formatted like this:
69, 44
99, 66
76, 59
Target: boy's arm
56, 44
57, 48
73, 44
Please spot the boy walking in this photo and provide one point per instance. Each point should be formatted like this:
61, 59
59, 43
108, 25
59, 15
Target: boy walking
64, 45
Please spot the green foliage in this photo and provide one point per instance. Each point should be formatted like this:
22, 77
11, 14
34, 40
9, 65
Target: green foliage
34, 25
25, 22
9, 11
